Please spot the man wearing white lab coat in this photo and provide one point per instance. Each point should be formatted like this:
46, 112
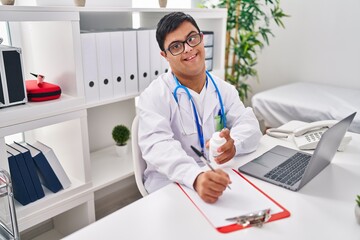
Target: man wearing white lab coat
167, 118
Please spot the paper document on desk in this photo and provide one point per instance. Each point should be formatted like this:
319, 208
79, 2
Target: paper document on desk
243, 198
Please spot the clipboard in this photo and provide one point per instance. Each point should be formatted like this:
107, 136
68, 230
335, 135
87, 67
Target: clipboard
243, 200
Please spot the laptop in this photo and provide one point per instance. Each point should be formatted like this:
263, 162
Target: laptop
292, 169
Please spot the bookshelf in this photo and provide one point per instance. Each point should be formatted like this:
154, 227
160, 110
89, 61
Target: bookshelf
78, 131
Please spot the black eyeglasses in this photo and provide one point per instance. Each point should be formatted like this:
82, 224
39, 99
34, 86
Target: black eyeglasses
177, 48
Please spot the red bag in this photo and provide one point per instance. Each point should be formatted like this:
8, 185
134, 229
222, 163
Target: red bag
41, 91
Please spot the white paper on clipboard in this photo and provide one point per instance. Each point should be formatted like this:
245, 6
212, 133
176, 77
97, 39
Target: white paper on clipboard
242, 198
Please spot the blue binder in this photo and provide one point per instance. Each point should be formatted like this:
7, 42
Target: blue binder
47, 174
20, 192
31, 168
24, 172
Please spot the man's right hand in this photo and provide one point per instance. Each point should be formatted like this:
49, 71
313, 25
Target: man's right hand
211, 184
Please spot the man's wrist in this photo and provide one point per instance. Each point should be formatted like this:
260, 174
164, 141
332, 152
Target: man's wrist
196, 179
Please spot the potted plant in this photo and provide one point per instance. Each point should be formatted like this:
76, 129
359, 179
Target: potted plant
80, 3
7, 2
357, 209
121, 134
247, 32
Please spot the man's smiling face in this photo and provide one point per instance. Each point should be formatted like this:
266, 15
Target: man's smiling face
192, 61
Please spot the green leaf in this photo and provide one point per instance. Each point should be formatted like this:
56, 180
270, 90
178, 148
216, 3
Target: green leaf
254, 30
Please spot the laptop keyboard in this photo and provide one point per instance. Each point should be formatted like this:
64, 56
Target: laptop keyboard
290, 171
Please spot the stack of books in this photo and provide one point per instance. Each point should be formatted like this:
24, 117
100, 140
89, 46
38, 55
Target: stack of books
33, 166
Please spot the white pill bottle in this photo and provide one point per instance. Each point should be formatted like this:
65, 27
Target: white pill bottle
215, 142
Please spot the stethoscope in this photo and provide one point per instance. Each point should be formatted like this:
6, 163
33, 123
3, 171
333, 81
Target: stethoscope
198, 126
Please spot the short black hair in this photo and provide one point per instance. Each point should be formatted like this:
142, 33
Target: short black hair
169, 23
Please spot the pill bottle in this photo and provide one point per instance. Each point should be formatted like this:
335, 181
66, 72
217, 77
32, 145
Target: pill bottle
215, 142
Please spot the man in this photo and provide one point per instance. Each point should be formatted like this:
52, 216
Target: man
185, 107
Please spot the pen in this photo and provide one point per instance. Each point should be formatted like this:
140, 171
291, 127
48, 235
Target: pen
203, 159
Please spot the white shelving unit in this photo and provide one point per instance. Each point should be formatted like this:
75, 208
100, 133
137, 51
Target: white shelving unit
49, 39
79, 132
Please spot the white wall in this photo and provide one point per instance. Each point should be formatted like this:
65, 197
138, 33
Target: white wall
4, 33
321, 43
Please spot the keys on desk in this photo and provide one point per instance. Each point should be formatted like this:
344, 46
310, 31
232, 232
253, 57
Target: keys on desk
255, 219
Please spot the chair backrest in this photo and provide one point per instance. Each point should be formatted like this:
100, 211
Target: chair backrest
139, 162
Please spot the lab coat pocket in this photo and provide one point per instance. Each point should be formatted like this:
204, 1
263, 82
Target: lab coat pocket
186, 122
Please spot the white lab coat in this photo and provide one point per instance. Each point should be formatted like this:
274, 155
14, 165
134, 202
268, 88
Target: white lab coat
167, 129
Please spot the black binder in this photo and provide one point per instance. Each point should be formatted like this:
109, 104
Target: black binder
12, 85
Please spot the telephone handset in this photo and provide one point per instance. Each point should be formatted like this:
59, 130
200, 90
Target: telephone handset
308, 136
310, 127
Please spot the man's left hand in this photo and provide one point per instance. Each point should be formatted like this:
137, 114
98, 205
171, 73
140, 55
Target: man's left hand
227, 149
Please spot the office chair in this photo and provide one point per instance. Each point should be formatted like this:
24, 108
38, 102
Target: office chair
139, 162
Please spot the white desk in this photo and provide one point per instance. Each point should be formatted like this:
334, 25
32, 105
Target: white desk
322, 209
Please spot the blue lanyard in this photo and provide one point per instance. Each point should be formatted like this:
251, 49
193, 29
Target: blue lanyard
198, 126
